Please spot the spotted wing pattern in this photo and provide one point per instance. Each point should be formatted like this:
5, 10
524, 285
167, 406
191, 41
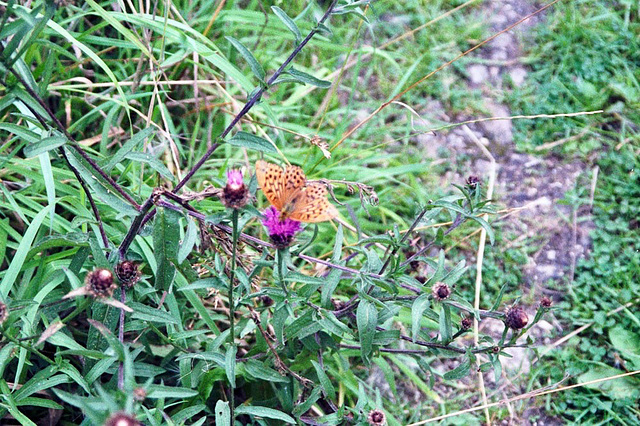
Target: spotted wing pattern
312, 204
271, 179
290, 192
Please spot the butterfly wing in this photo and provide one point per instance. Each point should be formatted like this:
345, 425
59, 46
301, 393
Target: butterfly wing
312, 205
294, 179
271, 179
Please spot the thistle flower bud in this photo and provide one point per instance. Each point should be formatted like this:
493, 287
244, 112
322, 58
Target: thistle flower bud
473, 181
128, 273
139, 394
100, 283
516, 318
235, 195
546, 302
440, 291
121, 419
466, 323
376, 418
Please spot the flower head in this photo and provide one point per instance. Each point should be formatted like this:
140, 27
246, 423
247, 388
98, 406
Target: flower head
121, 419
281, 232
440, 291
376, 418
516, 318
100, 283
128, 273
235, 194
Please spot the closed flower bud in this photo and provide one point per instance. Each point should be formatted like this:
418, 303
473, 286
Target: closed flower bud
4, 312
100, 283
546, 302
466, 323
516, 318
139, 394
121, 419
473, 181
440, 291
376, 418
128, 273
235, 195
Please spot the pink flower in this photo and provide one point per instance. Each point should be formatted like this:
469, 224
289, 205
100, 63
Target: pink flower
235, 194
281, 232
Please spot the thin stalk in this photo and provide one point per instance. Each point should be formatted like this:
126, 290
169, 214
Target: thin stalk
232, 341
280, 255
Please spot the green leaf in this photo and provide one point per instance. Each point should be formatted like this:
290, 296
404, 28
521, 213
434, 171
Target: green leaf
249, 141
460, 371
417, 309
255, 66
623, 387
486, 227
230, 365
131, 144
223, 413
329, 390
288, 22
627, 343
153, 162
258, 370
303, 77
159, 391
166, 240
189, 241
11, 274
269, 413
45, 145
367, 320
146, 313
95, 182
445, 324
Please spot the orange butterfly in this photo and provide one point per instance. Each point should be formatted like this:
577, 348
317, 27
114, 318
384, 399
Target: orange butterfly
295, 197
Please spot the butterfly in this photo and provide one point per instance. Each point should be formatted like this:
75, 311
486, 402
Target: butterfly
295, 197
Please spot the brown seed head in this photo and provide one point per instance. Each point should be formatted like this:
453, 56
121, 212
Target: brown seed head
467, 323
546, 302
128, 273
516, 318
376, 418
121, 419
100, 283
440, 291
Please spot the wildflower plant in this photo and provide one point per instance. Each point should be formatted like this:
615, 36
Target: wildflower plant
222, 309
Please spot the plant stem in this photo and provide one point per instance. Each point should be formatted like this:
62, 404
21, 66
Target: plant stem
232, 334
280, 255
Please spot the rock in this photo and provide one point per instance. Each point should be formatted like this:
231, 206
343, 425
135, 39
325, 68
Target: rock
478, 74
551, 255
499, 131
518, 75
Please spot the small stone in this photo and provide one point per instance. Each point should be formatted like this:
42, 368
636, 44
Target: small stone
551, 255
478, 74
518, 76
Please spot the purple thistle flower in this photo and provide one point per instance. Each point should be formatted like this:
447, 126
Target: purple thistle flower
281, 232
235, 194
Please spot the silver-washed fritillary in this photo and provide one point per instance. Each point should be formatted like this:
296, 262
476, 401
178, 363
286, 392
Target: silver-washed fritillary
295, 197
